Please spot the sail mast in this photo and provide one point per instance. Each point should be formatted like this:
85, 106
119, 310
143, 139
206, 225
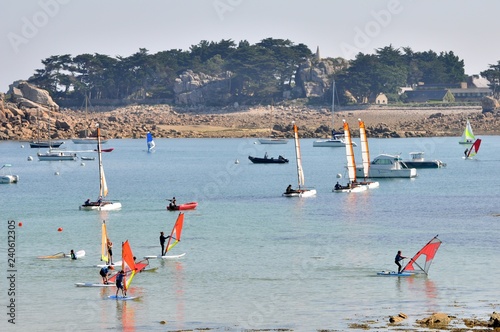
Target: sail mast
104, 243
103, 187
365, 152
351, 165
300, 172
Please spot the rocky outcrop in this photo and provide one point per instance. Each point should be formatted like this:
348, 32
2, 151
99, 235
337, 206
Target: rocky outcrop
30, 96
313, 80
398, 318
490, 104
436, 320
198, 88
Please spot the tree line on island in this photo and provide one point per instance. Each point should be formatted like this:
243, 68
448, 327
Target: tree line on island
262, 73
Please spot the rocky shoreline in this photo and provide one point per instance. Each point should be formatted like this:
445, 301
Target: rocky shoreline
21, 117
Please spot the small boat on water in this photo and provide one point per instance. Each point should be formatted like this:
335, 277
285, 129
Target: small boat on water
267, 160
55, 155
181, 207
417, 161
101, 203
273, 140
338, 138
352, 185
388, 166
467, 136
301, 191
8, 178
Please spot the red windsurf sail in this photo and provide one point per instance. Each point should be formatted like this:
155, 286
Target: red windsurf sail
175, 235
474, 148
421, 262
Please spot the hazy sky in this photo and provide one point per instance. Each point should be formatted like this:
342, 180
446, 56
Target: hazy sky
34, 30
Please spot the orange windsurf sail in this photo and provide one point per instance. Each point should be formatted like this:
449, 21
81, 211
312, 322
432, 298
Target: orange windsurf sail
175, 235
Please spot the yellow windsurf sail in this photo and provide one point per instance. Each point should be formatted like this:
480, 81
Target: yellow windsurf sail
128, 264
104, 243
175, 235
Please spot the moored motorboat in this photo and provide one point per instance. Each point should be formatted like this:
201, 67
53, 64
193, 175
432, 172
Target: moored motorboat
53, 155
388, 166
8, 178
267, 160
184, 206
417, 161
273, 140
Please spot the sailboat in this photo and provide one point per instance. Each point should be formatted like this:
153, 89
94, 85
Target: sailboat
338, 138
473, 150
101, 204
173, 240
365, 156
273, 140
38, 143
353, 185
87, 139
301, 191
467, 136
150, 142
420, 263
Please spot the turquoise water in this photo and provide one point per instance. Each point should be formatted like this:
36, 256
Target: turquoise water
254, 259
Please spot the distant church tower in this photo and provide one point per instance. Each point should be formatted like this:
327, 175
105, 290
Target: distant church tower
317, 56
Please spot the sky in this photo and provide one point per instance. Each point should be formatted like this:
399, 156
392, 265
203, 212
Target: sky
33, 30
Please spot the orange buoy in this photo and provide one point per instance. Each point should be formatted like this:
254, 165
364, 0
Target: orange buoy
20, 224
59, 229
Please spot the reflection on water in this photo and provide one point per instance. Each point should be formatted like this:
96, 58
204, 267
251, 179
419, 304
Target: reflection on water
125, 315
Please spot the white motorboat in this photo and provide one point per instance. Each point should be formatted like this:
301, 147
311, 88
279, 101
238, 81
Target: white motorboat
8, 177
388, 166
54, 155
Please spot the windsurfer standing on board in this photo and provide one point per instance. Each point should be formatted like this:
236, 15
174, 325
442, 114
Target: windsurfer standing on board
119, 283
109, 244
162, 242
398, 259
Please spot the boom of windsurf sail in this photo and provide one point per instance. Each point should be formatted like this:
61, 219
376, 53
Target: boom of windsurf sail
421, 262
175, 235
104, 243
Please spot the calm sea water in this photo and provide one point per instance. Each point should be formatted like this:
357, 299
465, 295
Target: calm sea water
254, 259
